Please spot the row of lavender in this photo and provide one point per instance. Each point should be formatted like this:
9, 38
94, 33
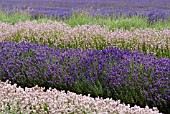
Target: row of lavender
132, 77
35, 101
153, 10
86, 36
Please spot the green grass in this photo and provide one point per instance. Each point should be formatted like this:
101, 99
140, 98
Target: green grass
13, 17
123, 22
83, 18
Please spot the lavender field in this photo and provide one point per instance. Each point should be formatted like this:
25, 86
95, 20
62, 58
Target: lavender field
153, 9
84, 57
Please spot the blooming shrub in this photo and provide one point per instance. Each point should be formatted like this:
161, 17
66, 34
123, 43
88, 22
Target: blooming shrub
129, 76
34, 100
86, 36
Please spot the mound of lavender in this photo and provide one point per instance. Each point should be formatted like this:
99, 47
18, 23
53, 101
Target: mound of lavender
16, 100
88, 36
134, 78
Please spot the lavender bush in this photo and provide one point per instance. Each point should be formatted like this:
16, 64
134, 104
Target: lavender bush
134, 78
16, 100
86, 36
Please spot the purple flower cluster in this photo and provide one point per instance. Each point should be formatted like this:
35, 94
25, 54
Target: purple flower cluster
62, 8
132, 77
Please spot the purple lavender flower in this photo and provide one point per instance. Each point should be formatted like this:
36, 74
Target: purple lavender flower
129, 76
154, 10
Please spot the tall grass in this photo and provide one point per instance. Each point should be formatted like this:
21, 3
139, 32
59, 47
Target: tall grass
13, 17
83, 18
111, 22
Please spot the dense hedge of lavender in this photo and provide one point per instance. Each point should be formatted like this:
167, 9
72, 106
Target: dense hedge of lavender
88, 36
134, 78
154, 9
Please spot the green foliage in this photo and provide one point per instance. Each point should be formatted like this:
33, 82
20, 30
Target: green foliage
111, 22
13, 17
83, 18
11, 109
